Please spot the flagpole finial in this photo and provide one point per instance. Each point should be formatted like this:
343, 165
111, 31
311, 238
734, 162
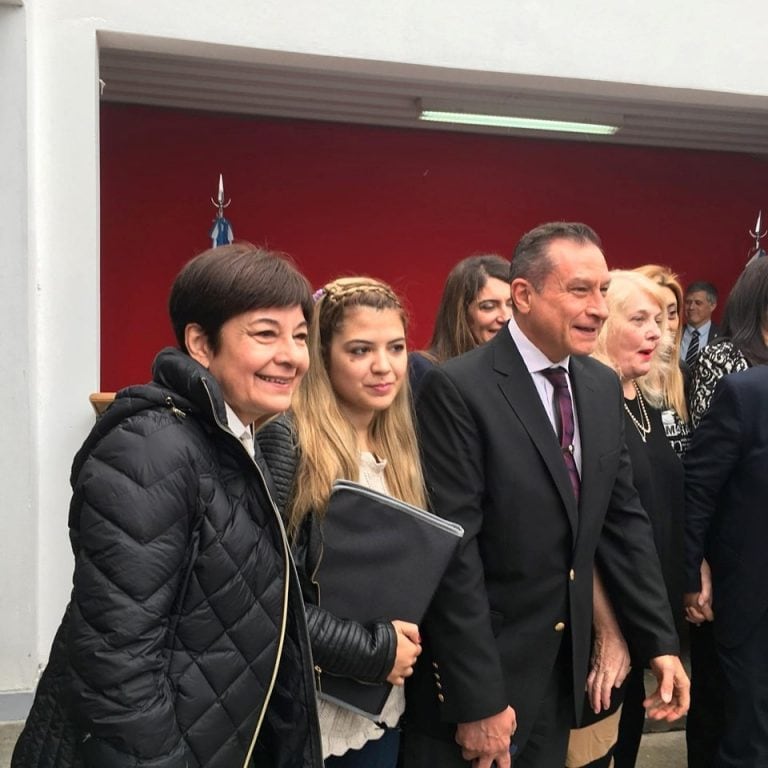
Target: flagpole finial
219, 201
758, 234
221, 231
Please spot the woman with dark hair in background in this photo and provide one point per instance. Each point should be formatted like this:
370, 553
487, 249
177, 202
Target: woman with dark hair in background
185, 642
743, 338
475, 304
743, 344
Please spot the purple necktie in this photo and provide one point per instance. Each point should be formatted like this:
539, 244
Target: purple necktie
557, 379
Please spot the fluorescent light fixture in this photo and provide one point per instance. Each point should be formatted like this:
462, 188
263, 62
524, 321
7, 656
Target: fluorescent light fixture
523, 123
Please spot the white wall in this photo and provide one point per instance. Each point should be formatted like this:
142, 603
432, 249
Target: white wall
49, 243
18, 534
700, 44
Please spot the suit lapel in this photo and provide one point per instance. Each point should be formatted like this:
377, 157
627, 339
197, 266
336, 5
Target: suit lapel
517, 386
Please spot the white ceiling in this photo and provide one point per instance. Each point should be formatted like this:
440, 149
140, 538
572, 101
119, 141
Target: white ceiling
647, 116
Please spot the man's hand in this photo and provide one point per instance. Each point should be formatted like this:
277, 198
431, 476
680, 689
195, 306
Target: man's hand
485, 741
672, 697
610, 667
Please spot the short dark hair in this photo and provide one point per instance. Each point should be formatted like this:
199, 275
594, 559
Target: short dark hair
452, 336
706, 287
223, 282
746, 312
531, 258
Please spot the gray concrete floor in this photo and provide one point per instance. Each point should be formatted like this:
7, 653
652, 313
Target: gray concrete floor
658, 750
9, 732
663, 750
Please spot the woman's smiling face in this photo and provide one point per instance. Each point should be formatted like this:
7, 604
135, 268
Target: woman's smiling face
260, 359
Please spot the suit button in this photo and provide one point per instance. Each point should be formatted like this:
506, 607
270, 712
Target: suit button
572, 575
560, 626
440, 697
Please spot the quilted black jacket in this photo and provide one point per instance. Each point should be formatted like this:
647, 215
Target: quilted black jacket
185, 643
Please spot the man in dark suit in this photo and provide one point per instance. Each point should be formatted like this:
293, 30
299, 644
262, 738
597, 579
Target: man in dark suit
700, 302
726, 476
507, 639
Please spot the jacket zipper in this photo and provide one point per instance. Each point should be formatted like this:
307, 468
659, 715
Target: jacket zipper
286, 564
316, 585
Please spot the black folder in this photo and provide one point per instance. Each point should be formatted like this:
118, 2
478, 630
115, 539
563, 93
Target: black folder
382, 559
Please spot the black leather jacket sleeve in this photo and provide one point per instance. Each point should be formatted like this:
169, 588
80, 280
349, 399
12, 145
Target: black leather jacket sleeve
350, 649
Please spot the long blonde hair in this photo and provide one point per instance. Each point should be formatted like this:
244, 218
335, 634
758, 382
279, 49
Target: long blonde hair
624, 285
672, 384
326, 439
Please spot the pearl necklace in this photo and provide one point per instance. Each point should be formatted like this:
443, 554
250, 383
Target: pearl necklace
644, 425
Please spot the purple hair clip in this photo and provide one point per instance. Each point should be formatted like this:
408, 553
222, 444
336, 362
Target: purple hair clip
318, 294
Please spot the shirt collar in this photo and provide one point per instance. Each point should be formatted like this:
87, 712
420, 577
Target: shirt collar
702, 329
236, 427
533, 358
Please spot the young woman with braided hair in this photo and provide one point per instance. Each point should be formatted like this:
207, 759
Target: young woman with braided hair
351, 419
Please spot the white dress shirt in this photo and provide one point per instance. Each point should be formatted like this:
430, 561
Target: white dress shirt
688, 332
536, 361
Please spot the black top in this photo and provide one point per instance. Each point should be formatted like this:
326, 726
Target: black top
659, 479
418, 364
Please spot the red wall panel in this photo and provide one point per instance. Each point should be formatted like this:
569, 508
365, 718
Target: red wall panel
402, 205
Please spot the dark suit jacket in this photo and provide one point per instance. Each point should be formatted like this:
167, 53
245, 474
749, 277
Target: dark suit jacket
714, 332
493, 464
726, 475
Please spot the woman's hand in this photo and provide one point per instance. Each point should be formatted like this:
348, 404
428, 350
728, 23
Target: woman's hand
610, 656
408, 650
608, 670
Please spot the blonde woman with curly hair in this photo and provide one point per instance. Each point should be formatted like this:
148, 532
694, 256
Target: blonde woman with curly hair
352, 420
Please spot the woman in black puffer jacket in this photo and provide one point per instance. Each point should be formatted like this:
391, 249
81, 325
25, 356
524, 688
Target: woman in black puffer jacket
185, 643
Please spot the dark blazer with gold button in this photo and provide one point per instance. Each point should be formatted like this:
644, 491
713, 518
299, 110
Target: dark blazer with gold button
523, 573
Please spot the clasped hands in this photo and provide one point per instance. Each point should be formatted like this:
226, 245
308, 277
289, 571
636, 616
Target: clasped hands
698, 605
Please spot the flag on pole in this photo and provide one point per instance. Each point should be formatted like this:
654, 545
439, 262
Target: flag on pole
221, 231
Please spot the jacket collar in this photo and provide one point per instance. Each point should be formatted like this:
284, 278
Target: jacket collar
186, 378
